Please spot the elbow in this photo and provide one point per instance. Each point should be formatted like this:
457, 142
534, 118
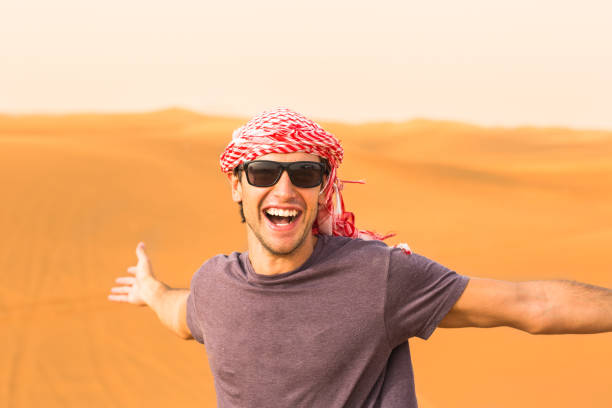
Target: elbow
183, 333
537, 318
185, 336
534, 329
531, 312
179, 328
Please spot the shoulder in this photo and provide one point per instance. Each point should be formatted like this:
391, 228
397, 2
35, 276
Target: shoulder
356, 250
410, 261
420, 273
216, 265
338, 243
414, 264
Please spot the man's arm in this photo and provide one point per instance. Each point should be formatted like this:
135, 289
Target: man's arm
537, 307
143, 288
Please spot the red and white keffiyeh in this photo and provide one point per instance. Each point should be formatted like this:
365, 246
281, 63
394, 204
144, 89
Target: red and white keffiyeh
284, 131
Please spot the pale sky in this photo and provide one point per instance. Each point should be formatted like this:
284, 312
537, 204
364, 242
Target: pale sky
487, 62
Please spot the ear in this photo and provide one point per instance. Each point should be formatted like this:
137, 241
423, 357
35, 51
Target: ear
236, 186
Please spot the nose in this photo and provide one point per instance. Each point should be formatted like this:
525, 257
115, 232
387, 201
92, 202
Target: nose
284, 187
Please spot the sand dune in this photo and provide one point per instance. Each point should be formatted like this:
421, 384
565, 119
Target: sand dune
80, 191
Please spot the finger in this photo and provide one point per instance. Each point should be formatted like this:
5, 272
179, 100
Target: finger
118, 298
132, 269
121, 289
140, 251
126, 280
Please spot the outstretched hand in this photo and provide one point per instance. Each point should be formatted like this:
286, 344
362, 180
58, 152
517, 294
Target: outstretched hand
135, 289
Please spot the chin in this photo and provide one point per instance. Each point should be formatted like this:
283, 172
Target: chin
284, 249
282, 244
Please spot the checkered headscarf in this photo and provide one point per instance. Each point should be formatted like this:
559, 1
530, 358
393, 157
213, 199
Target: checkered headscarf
284, 131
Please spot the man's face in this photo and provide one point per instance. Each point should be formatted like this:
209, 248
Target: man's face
264, 208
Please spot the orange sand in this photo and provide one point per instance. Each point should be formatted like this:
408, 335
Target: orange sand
80, 191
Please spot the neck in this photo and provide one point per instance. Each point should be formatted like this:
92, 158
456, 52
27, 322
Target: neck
266, 263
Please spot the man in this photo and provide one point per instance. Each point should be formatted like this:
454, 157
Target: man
317, 313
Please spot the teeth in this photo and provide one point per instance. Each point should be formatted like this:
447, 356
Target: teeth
282, 213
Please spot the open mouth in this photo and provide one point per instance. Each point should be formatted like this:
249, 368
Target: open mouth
281, 217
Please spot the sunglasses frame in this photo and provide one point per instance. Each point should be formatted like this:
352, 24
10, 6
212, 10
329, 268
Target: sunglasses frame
285, 166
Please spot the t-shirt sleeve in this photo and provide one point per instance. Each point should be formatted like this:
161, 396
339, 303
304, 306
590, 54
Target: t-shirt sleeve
420, 292
193, 321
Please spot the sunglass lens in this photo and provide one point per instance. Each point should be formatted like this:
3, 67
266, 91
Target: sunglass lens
305, 175
262, 173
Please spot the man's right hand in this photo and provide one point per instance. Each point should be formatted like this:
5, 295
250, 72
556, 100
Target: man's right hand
142, 288
138, 289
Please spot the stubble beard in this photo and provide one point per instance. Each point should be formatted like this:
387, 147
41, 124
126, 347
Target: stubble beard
268, 247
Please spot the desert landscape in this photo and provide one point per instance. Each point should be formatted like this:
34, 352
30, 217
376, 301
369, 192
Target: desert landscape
79, 192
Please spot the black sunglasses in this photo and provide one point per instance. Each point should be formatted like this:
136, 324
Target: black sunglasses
265, 173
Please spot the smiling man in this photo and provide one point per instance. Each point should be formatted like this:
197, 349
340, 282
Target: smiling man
317, 313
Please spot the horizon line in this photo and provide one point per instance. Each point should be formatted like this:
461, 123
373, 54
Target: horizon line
234, 116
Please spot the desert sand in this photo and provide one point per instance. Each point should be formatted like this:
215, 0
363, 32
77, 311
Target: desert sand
80, 191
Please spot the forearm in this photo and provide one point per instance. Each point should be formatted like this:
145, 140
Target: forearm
574, 307
170, 305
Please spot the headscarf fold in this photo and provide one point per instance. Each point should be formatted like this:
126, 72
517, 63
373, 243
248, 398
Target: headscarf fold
285, 131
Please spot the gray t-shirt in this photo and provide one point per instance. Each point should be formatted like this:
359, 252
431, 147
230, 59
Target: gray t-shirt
332, 333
